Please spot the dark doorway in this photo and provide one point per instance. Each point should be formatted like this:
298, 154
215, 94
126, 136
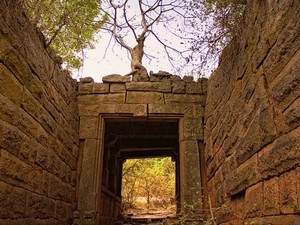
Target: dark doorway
134, 139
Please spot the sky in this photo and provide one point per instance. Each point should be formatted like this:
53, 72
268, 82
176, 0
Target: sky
116, 60
110, 58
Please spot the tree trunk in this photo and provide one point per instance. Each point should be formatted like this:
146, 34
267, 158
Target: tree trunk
139, 71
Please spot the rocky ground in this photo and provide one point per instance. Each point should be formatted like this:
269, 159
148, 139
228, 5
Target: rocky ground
147, 216
157, 217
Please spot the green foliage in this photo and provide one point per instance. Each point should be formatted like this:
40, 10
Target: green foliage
69, 26
226, 14
205, 26
147, 178
211, 25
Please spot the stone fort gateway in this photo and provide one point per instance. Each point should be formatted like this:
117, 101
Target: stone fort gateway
234, 138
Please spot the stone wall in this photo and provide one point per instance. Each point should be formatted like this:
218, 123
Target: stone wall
38, 127
252, 125
163, 98
252, 120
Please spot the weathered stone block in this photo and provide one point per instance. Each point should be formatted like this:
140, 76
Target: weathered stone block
117, 88
53, 112
204, 82
68, 157
154, 78
287, 89
193, 129
54, 164
275, 220
134, 109
215, 163
28, 151
239, 206
181, 98
260, 132
254, 200
282, 155
14, 62
292, 114
145, 97
86, 80
188, 79
221, 197
225, 213
63, 210
229, 165
271, 197
149, 86
285, 47
36, 110
219, 135
115, 78
60, 190
186, 109
64, 138
74, 179
10, 87
66, 174
12, 201
38, 206
174, 108
288, 193
101, 98
11, 138
219, 178
23, 221
230, 141
208, 150
88, 127
85, 88
100, 88
9, 112
36, 88
95, 109
86, 186
189, 172
61, 89
298, 186
21, 174
175, 78
243, 177
194, 88
179, 87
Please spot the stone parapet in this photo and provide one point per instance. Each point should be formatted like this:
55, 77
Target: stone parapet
160, 91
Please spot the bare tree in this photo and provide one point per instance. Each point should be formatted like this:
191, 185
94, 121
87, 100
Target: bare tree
140, 25
201, 28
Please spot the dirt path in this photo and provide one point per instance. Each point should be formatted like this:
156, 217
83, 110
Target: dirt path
149, 217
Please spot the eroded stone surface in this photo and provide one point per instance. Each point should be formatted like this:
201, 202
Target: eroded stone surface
252, 126
115, 78
38, 126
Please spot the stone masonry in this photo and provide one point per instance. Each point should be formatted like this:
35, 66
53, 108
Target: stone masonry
252, 130
162, 97
38, 127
